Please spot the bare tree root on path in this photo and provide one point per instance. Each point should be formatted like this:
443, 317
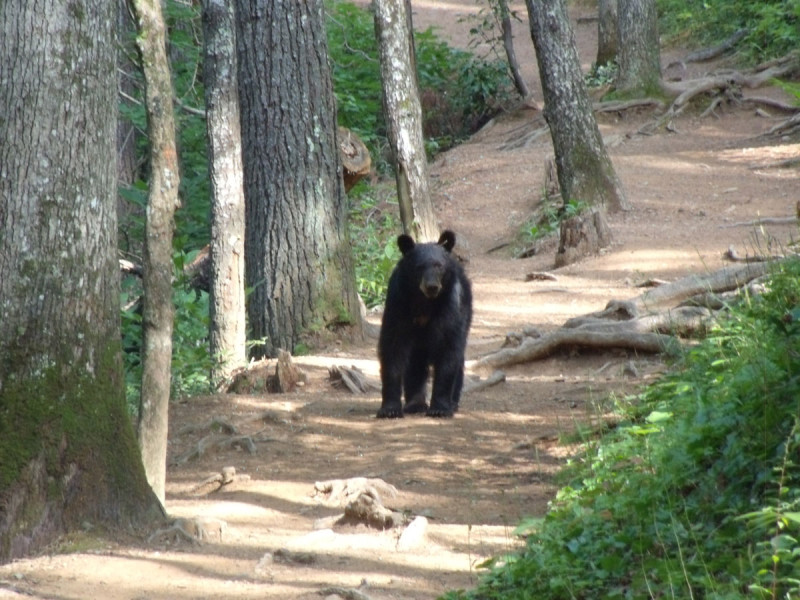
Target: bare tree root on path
727, 85
640, 324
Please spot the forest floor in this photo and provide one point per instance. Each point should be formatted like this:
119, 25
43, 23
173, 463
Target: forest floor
473, 477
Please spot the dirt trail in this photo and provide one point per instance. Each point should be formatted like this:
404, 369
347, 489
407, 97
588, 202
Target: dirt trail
473, 477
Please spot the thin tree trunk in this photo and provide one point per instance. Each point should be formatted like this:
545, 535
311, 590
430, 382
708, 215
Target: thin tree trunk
68, 453
157, 310
585, 172
607, 32
227, 310
403, 113
298, 256
639, 54
511, 55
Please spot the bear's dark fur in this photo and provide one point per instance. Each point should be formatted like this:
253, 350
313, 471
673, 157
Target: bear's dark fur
425, 324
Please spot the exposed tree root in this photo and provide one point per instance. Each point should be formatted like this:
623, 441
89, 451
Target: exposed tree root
338, 492
216, 481
475, 386
214, 424
344, 593
712, 52
215, 441
723, 280
195, 531
726, 85
787, 127
732, 255
362, 499
619, 106
534, 349
771, 103
638, 324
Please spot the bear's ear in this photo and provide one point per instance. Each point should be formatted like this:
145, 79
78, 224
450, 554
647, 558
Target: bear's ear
447, 239
405, 243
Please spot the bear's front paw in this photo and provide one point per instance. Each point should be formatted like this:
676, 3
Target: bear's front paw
390, 412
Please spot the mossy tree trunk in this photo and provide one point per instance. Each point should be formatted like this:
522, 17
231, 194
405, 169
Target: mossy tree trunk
68, 453
403, 113
299, 261
585, 172
162, 200
639, 52
227, 308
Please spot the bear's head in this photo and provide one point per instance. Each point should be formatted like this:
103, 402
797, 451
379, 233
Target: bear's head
431, 263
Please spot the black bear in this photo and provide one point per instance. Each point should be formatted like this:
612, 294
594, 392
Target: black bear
425, 324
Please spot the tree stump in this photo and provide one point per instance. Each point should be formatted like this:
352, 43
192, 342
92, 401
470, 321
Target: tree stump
355, 158
582, 235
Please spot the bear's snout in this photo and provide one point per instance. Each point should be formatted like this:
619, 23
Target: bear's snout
430, 287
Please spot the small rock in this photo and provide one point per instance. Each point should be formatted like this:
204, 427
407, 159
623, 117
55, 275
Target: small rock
413, 535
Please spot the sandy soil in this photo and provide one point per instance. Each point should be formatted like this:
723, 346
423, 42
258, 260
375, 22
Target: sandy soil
473, 477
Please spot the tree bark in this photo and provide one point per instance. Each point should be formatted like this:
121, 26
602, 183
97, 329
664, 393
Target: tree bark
585, 172
68, 452
298, 257
403, 112
639, 54
227, 308
607, 32
162, 200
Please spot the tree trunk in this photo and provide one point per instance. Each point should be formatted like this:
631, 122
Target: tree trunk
68, 452
585, 172
511, 55
639, 54
403, 112
299, 261
607, 32
157, 309
128, 136
227, 309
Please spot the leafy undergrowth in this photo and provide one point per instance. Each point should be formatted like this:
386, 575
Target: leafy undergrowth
771, 25
696, 493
